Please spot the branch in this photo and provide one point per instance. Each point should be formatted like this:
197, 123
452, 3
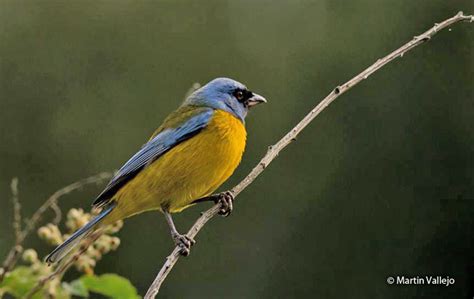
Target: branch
53, 199
51, 202
15, 251
274, 150
16, 209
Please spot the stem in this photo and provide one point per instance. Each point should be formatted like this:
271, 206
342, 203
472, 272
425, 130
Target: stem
274, 150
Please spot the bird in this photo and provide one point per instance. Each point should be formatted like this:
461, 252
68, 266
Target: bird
194, 151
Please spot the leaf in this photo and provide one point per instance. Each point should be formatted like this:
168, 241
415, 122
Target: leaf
19, 282
22, 279
61, 293
111, 285
76, 288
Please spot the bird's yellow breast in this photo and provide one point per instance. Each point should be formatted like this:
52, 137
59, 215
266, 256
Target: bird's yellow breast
193, 169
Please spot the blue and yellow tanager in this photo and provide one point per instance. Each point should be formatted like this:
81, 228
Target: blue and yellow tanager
189, 156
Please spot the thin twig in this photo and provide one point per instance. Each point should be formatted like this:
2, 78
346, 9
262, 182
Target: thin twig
274, 150
16, 209
57, 213
51, 202
61, 269
95, 179
15, 251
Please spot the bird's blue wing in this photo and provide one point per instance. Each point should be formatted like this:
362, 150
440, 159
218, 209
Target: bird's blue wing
162, 142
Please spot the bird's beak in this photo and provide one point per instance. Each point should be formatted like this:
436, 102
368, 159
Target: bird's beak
255, 100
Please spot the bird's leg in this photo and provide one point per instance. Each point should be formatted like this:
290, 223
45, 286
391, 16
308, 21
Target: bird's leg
225, 199
183, 241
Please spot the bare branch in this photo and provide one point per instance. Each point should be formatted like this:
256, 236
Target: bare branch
16, 209
15, 251
95, 179
274, 150
57, 212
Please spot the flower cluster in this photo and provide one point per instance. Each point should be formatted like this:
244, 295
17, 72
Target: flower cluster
40, 269
76, 218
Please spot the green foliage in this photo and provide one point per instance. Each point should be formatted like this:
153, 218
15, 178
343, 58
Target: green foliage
76, 288
110, 285
18, 282
22, 279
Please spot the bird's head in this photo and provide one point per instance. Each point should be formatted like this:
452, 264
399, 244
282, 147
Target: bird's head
226, 94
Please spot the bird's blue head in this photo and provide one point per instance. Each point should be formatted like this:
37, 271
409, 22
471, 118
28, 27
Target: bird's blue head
225, 94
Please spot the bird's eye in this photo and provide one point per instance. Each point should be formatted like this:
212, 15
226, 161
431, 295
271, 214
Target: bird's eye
239, 95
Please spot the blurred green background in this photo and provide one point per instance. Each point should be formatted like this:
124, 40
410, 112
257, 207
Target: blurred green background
381, 184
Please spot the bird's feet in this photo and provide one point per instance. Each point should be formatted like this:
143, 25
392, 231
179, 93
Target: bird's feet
184, 242
226, 200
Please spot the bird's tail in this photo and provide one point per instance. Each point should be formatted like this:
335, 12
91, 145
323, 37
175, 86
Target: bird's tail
62, 250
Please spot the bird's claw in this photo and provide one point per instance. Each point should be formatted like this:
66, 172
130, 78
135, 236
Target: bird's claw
226, 200
184, 242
